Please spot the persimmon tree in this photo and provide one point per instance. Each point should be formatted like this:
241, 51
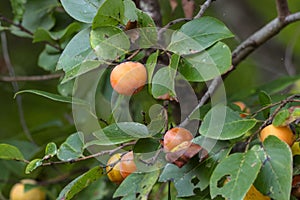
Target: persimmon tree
148, 112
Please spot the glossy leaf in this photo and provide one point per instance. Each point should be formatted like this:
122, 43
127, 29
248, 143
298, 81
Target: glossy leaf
72, 148
265, 100
275, 176
76, 52
51, 149
281, 118
39, 14
110, 13
82, 10
109, 42
120, 133
33, 165
54, 97
207, 64
150, 65
197, 35
81, 182
137, 185
164, 79
241, 170
9, 152
224, 124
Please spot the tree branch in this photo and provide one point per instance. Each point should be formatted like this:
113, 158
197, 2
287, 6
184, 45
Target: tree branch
282, 9
203, 8
261, 36
30, 78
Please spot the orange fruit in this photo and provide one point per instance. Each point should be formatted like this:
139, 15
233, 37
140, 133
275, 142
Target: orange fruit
284, 133
18, 191
113, 168
175, 137
128, 78
243, 108
127, 165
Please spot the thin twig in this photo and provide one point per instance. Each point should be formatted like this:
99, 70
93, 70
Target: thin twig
15, 86
260, 37
282, 9
203, 8
25, 30
211, 89
30, 78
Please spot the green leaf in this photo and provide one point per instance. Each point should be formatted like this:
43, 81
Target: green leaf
82, 10
18, 9
77, 51
281, 118
51, 149
222, 123
157, 116
48, 58
197, 35
137, 186
39, 14
150, 65
72, 148
129, 11
147, 31
109, 42
164, 79
275, 176
33, 165
121, 132
207, 64
54, 97
9, 152
80, 183
242, 169
110, 13
265, 100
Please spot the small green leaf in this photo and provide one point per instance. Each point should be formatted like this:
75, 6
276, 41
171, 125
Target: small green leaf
222, 123
282, 118
82, 10
72, 148
275, 176
18, 9
129, 11
48, 58
120, 133
110, 13
51, 149
54, 97
241, 168
207, 64
77, 51
265, 100
164, 79
157, 116
150, 65
9, 152
109, 42
33, 165
197, 35
80, 183
137, 185
147, 30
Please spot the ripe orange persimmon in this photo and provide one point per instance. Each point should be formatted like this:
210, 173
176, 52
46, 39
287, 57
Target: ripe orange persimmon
18, 191
113, 168
179, 147
175, 137
127, 165
284, 133
243, 107
128, 78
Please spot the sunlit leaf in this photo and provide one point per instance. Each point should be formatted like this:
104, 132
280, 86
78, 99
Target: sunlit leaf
9, 152
72, 148
33, 165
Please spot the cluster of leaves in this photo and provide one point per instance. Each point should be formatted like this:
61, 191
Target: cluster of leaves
100, 38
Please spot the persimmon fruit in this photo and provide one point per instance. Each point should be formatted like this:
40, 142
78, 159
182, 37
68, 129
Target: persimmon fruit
179, 147
113, 168
127, 164
128, 78
18, 191
284, 133
243, 107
